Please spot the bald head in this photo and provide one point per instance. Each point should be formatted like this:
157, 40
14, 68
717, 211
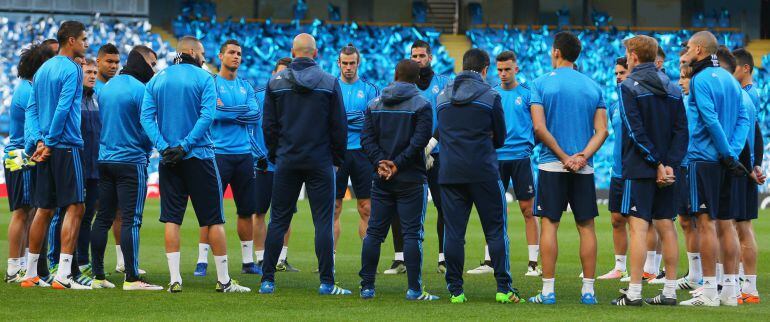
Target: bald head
706, 40
304, 46
193, 47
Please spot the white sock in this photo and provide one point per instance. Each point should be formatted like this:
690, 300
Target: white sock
740, 270
65, 266
620, 263
223, 275
710, 287
634, 291
260, 255
750, 284
649, 264
669, 289
23, 262
728, 284
588, 286
534, 251
695, 275
658, 261
441, 257
284, 253
203, 253
173, 267
548, 285
399, 256
246, 251
119, 256
720, 273
487, 258
14, 266
32, 265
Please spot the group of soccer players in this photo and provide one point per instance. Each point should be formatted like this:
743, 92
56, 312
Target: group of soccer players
81, 132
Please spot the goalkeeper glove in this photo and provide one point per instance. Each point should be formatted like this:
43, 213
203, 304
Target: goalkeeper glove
16, 160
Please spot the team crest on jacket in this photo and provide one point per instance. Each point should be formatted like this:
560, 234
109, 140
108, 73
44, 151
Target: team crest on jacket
518, 100
360, 94
243, 90
435, 89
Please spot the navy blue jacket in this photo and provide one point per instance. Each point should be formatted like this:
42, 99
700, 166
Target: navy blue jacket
91, 129
397, 127
304, 120
654, 123
471, 125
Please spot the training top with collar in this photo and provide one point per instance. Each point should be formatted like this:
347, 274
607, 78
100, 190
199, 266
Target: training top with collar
123, 139
53, 111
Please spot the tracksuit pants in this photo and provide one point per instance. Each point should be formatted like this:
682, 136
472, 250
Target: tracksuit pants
320, 185
457, 201
406, 202
435, 193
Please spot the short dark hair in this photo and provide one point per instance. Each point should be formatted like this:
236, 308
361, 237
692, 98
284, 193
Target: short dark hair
69, 29
107, 49
49, 41
724, 56
622, 61
421, 44
407, 71
744, 57
568, 44
506, 56
144, 50
89, 62
32, 58
661, 53
282, 62
349, 50
475, 59
228, 42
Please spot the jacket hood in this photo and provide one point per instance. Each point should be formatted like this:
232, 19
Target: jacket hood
468, 86
304, 74
398, 92
650, 78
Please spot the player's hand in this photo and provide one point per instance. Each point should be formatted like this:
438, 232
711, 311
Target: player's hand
428, 149
262, 165
383, 171
665, 176
172, 156
219, 102
429, 162
736, 168
14, 160
575, 162
41, 153
758, 176
391, 167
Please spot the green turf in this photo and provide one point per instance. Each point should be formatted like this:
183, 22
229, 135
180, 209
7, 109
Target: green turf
296, 293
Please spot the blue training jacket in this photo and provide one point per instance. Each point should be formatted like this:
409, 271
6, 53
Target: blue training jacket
304, 118
123, 140
178, 109
356, 96
471, 126
520, 138
19, 103
53, 111
231, 120
617, 140
721, 119
398, 126
654, 123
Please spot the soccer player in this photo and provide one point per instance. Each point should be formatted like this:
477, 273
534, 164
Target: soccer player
236, 110
514, 157
107, 61
177, 112
356, 93
754, 151
619, 232
19, 171
712, 162
264, 186
471, 126
123, 167
570, 121
53, 124
430, 85
306, 136
397, 129
655, 138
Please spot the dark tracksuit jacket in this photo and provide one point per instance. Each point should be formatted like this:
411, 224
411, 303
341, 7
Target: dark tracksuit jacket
305, 131
397, 127
471, 126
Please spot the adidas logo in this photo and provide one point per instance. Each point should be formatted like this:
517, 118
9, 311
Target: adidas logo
633, 208
539, 208
696, 258
703, 206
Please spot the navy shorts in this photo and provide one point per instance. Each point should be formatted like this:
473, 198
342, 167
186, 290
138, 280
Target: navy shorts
196, 179
710, 188
744, 199
520, 172
60, 181
358, 168
19, 185
682, 192
263, 191
555, 190
238, 171
642, 198
616, 194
